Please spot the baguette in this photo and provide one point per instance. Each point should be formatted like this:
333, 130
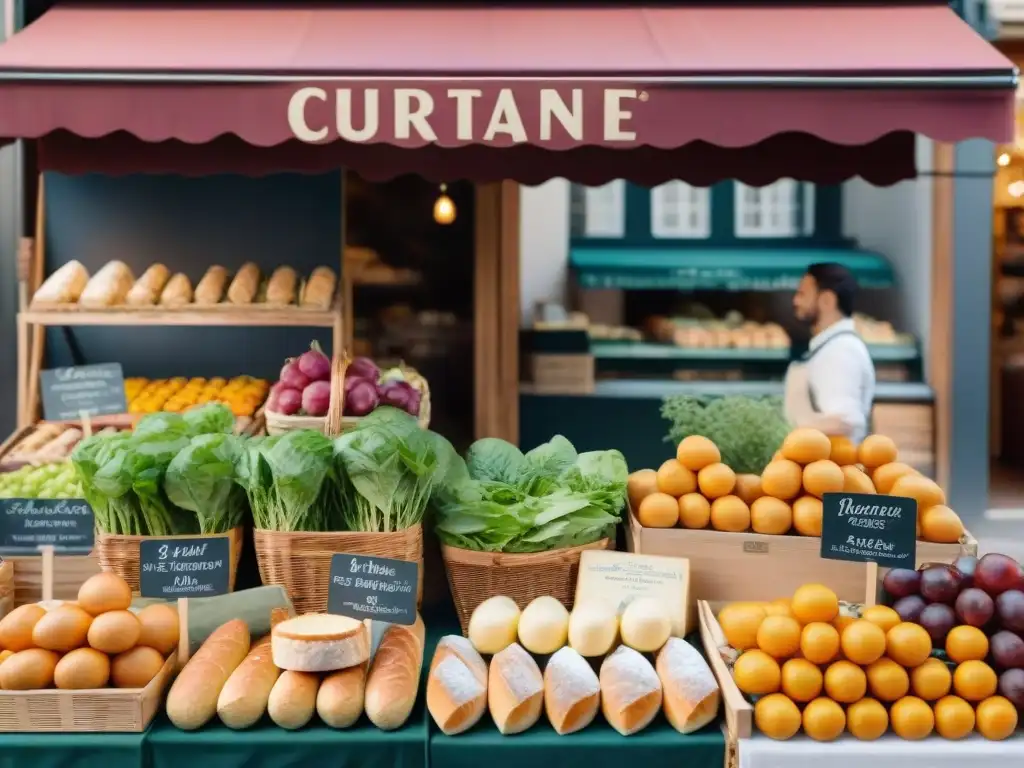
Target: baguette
630, 690
281, 288
339, 702
192, 700
245, 285
515, 690
64, 286
319, 290
293, 699
211, 287
177, 292
572, 693
691, 693
109, 287
147, 288
394, 678
243, 699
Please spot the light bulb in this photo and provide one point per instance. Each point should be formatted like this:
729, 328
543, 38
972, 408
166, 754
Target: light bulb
1016, 189
1003, 160
444, 207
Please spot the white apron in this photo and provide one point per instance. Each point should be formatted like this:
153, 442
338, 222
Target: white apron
798, 398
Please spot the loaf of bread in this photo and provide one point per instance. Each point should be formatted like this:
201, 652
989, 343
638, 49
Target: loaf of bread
212, 286
177, 292
394, 677
319, 642
243, 699
109, 287
192, 700
282, 286
339, 702
319, 290
691, 693
147, 289
246, 284
630, 690
515, 690
293, 699
456, 686
64, 286
572, 692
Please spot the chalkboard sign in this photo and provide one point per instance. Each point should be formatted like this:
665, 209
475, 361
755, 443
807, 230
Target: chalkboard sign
867, 528
98, 390
373, 588
191, 567
32, 523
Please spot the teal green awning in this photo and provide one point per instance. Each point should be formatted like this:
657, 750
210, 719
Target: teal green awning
731, 269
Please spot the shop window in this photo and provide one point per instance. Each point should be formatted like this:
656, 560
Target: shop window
775, 210
679, 210
807, 229
605, 210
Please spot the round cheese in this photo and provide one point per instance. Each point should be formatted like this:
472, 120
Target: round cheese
160, 627
135, 668
494, 624
593, 628
82, 669
104, 592
645, 625
28, 670
114, 632
62, 629
544, 626
319, 642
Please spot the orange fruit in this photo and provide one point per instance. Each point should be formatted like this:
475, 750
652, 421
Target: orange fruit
882, 615
640, 485
777, 717
856, 481
824, 720
779, 636
863, 642
740, 622
807, 511
779, 607
877, 450
716, 480
659, 510
974, 680
867, 719
843, 451
748, 488
924, 491
908, 644
996, 718
954, 717
884, 476
887, 680
675, 479
911, 718
756, 673
842, 621
966, 643
801, 680
696, 452
932, 680
821, 477
845, 682
941, 525
806, 445
771, 516
782, 479
729, 513
814, 602
819, 642
694, 511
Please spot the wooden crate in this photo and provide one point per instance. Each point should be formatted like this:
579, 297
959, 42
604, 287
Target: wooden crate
739, 713
571, 374
104, 710
69, 571
726, 567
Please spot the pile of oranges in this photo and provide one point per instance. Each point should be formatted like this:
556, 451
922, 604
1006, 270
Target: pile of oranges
243, 394
810, 667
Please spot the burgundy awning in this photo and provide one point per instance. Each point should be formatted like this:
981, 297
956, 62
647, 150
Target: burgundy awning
525, 93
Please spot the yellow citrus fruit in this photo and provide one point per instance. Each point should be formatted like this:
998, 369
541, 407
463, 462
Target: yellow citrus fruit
912, 718
974, 680
729, 513
954, 717
716, 480
694, 511
845, 682
696, 452
867, 719
996, 718
819, 642
882, 615
941, 525
779, 636
675, 479
925, 491
863, 642
932, 680
886, 475
966, 643
877, 450
770, 516
756, 673
843, 451
801, 680
821, 477
887, 680
814, 602
824, 720
807, 511
806, 445
777, 717
782, 479
739, 622
908, 644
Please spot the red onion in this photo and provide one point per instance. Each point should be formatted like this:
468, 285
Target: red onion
316, 398
292, 377
363, 368
314, 364
401, 394
289, 401
361, 398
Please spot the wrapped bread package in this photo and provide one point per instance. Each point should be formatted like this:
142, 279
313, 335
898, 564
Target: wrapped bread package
109, 287
281, 288
319, 290
177, 292
147, 289
212, 286
64, 286
246, 284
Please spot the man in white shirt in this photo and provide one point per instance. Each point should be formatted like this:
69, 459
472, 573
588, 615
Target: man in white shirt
832, 386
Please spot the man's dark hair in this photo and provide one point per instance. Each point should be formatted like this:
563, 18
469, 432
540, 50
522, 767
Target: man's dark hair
836, 278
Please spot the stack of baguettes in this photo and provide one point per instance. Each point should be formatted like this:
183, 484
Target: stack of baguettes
310, 664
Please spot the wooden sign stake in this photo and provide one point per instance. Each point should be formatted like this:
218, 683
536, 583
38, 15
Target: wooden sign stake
184, 646
47, 565
871, 593
86, 423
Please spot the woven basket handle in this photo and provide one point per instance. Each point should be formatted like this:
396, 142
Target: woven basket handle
336, 411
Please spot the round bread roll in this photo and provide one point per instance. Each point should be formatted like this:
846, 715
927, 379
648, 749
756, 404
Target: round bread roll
62, 629
160, 627
16, 627
494, 624
28, 670
135, 668
104, 592
82, 669
544, 626
645, 626
114, 632
593, 627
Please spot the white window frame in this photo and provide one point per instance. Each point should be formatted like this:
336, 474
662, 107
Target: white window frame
605, 210
680, 211
769, 211
808, 209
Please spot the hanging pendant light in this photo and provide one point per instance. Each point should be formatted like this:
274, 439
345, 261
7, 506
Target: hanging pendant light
444, 207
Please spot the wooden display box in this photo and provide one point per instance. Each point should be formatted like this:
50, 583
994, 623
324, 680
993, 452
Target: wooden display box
739, 713
560, 361
727, 567
69, 571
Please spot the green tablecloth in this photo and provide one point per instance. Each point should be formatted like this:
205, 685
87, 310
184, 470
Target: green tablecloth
72, 750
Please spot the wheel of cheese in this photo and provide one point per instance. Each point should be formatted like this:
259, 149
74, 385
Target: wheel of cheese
319, 642
494, 624
593, 628
645, 625
544, 626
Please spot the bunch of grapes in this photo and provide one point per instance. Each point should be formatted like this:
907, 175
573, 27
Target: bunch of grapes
49, 481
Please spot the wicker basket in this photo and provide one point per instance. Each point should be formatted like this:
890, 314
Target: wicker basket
120, 554
476, 576
279, 424
301, 562
6, 587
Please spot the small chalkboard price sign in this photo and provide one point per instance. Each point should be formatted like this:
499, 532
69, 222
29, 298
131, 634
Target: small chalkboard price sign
867, 528
188, 567
64, 524
94, 390
378, 588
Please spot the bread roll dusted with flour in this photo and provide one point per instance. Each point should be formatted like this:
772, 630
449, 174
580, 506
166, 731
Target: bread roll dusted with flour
630, 690
462, 649
572, 692
394, 677
515, 690
691, 693
456, 689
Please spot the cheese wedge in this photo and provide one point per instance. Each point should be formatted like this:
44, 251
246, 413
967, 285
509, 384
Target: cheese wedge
319, 642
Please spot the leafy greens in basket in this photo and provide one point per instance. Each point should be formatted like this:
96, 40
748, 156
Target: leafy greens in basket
502, 500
